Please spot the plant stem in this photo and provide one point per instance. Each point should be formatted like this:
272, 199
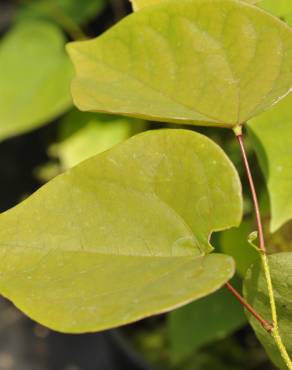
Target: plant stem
263, 253
275, 332
266, 325
253, 193
69, 25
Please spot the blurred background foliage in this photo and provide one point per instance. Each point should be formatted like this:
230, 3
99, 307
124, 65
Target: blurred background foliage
42, 135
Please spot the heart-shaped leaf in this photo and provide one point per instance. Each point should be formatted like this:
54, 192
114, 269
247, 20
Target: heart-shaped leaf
271, 135
123, 235
35, 77
203, 62
255, 291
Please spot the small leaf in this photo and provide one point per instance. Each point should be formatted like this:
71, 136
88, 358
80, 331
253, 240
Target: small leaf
61, 11
83, 135
252, 237
35, 77
201, 322
234, 242
255, 291
123, 235
271, 135
170, 63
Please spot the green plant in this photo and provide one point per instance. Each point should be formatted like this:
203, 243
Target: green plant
126, 234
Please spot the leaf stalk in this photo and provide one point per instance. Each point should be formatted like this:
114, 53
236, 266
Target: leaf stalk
253, 193
266, 325
274, 330
69, 25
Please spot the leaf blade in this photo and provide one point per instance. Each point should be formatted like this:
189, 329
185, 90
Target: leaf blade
272, 140
187, 279
39, 85
255, 291
124, 205
167, 63
141, 4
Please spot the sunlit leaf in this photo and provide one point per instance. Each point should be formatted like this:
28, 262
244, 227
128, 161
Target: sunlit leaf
35, 77
271, 135
61, 11
190, 61
123, 235
140, 4
255, 290
204, 321
83, 135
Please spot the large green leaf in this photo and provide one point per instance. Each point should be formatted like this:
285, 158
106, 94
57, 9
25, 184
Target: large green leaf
123, 235
204, 321
82, 135
255, 291
280, 8
35, 77
190, 61
271, 135
61, 11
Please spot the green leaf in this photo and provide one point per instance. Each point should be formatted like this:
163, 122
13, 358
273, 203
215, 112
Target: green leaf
255, 291
280, 8
123, 235
35, 77
281, 240
234, 243
83, 135
61, 11
140, 4
201, 322
271, 135
202, 62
